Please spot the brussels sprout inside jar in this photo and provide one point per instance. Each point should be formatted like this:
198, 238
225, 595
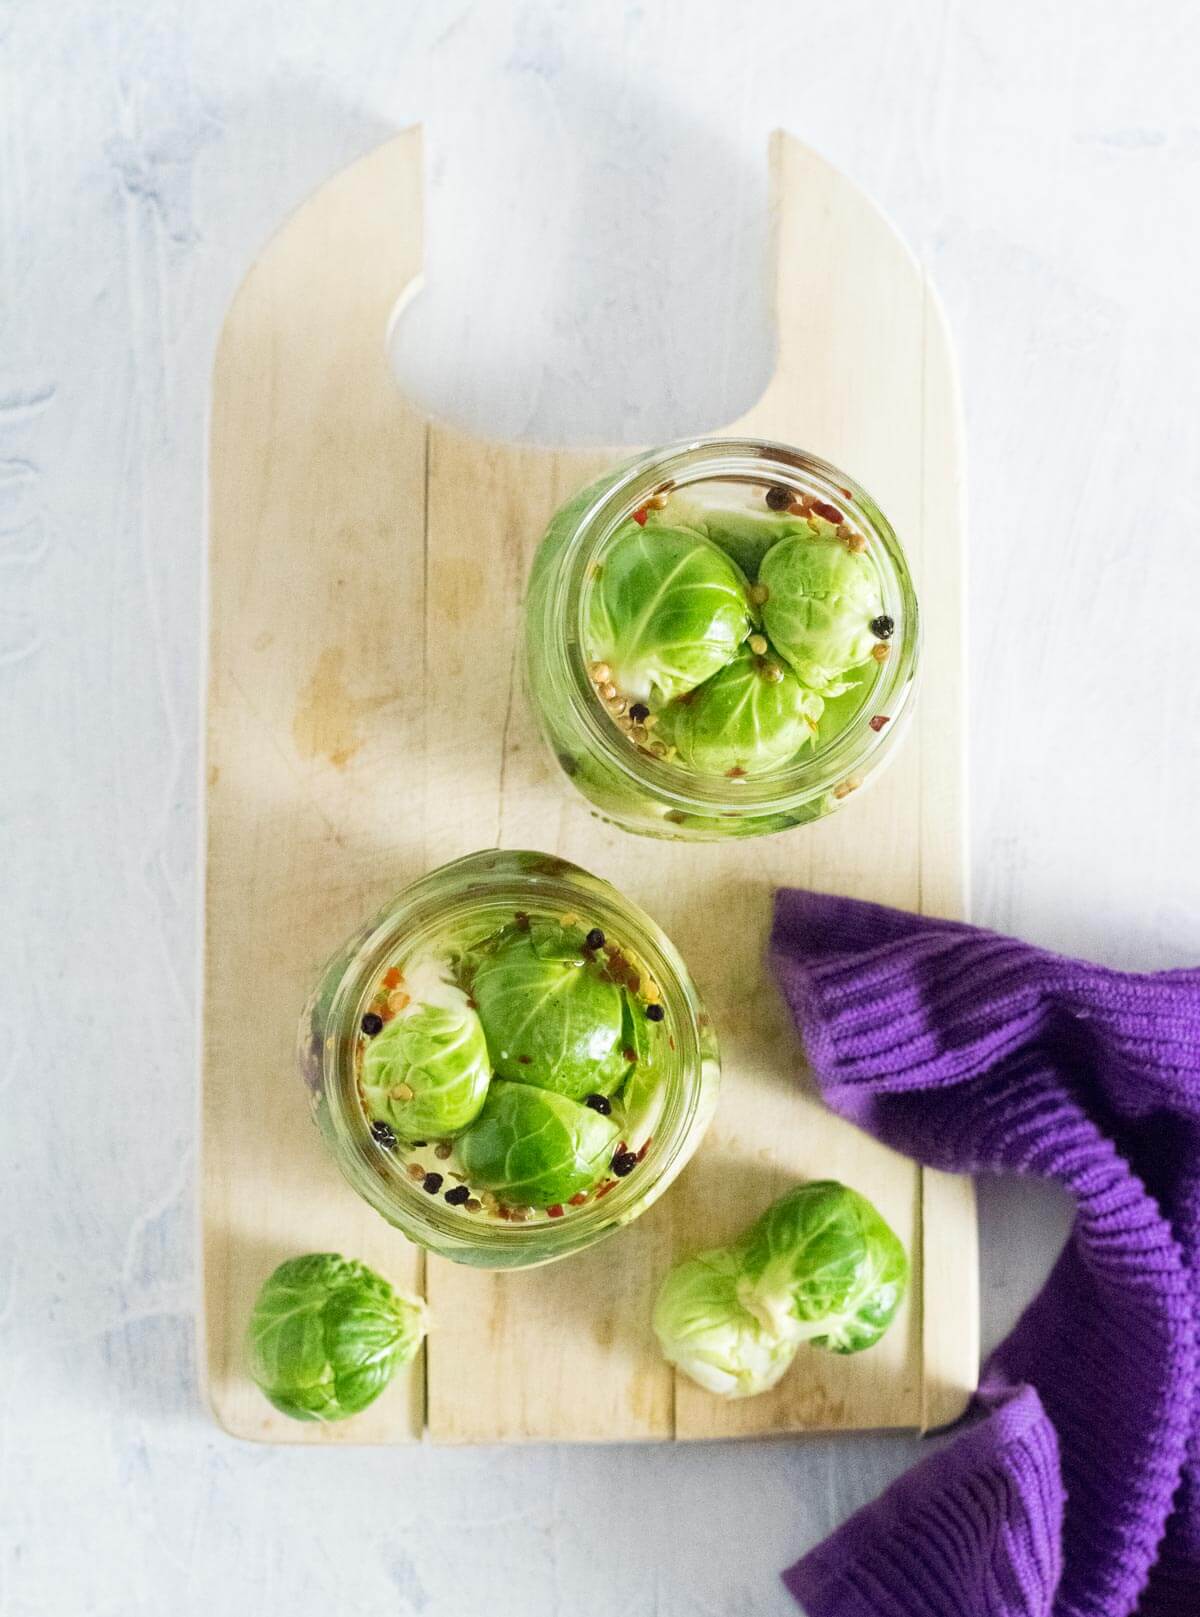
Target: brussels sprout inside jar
721, 640
509, 1061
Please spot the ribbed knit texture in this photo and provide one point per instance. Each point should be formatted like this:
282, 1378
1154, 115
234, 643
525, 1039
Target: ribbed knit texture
1076, 1491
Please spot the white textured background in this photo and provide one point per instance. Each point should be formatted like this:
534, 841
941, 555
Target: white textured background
595, 244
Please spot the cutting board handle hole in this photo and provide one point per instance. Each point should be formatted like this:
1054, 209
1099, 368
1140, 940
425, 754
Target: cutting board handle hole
573, 297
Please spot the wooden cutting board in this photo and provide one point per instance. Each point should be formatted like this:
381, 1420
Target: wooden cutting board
366, 723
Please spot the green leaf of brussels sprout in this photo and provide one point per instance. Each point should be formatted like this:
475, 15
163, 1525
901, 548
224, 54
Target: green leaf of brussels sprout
822, 1265
741, 719
327, 1334
535, 1148
638, 1033
439, 1054
822, 597
704, 1331
551, 1018
871, 1306
734, 516
667, 610
841, 709
643, 1097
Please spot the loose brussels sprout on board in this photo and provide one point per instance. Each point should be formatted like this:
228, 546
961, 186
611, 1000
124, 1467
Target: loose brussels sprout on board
822, 1265
327, 1335
704, 1330
819, 1266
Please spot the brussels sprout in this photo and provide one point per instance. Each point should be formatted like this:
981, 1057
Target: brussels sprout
741, 718
535, 1148
327, 1335
667, 610
735, 516
428, 1071
550, 1015
704, 1331
822, 597
822, 1265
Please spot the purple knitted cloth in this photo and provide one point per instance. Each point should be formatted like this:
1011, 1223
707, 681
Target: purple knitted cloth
1076, 1491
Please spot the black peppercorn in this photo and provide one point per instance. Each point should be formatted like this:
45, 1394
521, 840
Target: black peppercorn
371, 1024
595, 938
639, 712
882, 626
599, 1103
655, 1012
385, 1134
624, 1162
779, 498
432, 1182
458, 1195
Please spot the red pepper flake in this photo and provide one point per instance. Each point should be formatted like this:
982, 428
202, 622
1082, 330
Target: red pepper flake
609, 1184
621, 1149
641, 1154
578, 1199
847, 493
878, 722
629, 1055
556, 1211
525, 1061
393, 977
736, 773
521, 921
829, 512
639, 516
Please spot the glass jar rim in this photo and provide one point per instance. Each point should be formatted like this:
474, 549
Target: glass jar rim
486, 878
857, 746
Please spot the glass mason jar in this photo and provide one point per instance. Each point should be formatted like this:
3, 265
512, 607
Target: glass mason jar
472, 898
654, 795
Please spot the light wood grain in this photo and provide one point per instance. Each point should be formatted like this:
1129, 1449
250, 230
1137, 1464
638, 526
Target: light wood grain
317, 528
366, 721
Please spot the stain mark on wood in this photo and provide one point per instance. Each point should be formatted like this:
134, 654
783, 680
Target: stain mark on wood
330, 720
